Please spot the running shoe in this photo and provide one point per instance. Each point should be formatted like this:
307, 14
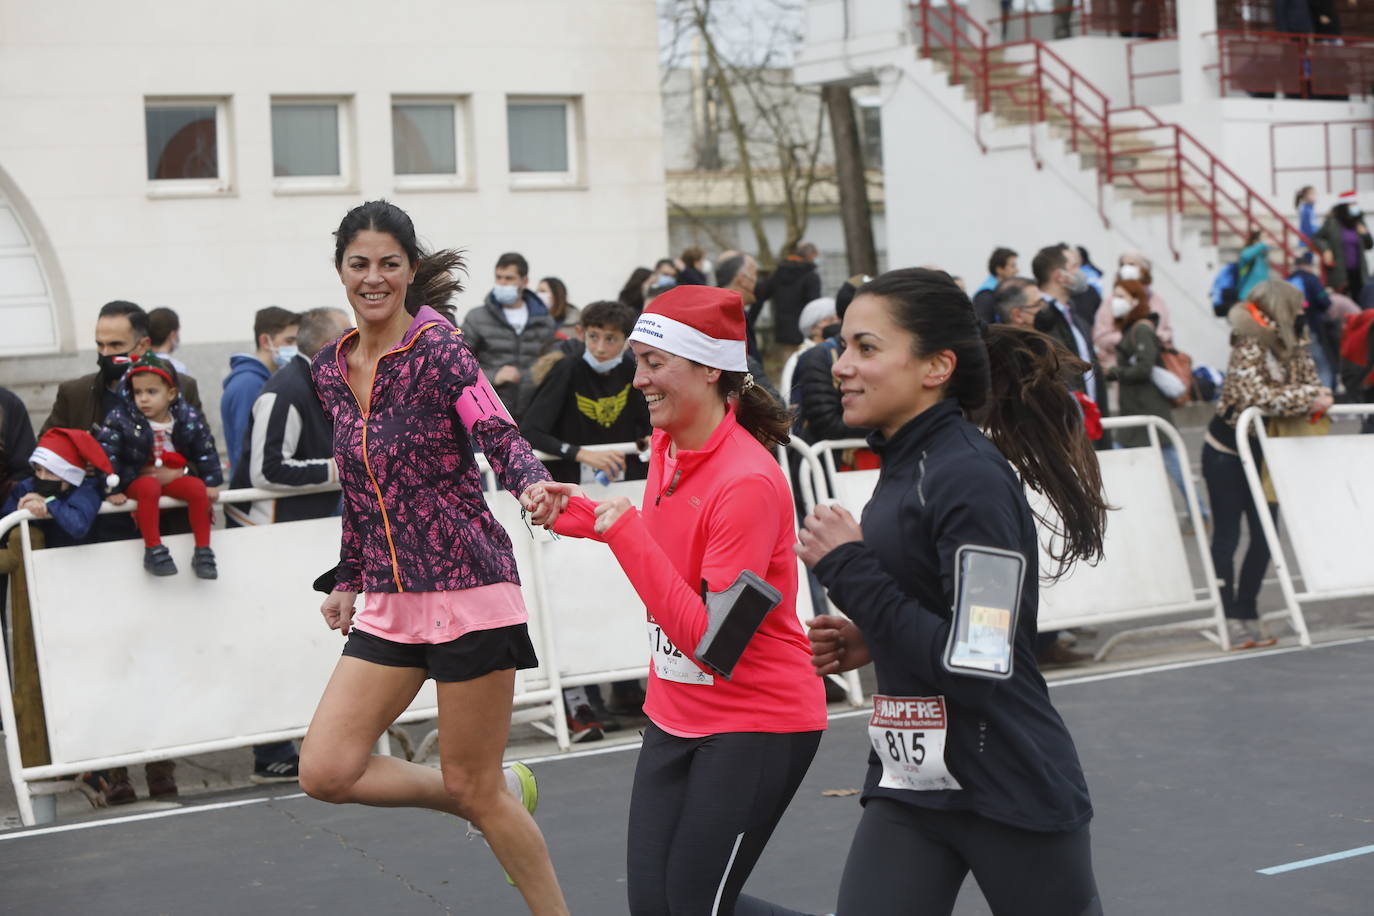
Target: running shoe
280, 771
583, 726
521, 783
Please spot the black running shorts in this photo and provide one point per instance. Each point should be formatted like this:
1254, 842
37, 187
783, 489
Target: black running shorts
463, 659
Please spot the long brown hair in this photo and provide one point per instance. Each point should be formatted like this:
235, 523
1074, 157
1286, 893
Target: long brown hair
1014, 382
1137, 291
757, 410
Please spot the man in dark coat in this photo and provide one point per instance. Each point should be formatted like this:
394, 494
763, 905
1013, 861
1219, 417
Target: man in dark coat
789, 287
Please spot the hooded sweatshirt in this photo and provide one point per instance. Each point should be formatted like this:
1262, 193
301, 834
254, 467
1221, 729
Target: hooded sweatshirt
242, 385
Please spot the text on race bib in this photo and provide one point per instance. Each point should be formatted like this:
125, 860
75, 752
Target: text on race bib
671, 663
908, 735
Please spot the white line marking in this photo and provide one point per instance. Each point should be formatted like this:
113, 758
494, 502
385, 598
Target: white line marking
1319, 860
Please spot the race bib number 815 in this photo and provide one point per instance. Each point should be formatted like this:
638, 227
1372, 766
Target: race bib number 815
908, 735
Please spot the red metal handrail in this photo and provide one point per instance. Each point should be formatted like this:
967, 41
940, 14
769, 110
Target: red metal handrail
1295, 64
1244, 15
1327, 167
1189, 172
1127, 18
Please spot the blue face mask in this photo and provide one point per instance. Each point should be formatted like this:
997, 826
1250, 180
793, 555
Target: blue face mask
602, 366
284, 355
505, 295
664, 282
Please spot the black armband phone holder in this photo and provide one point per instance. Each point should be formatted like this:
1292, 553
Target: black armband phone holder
732, 618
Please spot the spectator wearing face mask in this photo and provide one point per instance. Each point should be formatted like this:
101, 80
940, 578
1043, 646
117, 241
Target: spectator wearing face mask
1135, 267
554, 294
164, 336
274, 338
1083, 297
1059, 278
1343, 239
508, 332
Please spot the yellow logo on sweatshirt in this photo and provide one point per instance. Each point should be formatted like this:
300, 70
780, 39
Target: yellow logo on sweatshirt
604, 410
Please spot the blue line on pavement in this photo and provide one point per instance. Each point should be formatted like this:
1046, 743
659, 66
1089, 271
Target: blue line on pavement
1319, 860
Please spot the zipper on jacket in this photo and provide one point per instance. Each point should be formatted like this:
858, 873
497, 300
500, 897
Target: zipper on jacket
367, 465
677, 475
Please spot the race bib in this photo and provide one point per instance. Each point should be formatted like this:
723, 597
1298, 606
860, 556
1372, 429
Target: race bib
908, 735
670, 664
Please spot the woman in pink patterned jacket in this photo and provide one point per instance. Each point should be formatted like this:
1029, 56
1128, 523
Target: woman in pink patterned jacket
442, 594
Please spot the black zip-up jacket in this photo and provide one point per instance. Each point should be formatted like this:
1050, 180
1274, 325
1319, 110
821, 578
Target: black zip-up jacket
943, 484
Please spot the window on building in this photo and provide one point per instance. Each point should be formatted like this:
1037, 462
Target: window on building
870, 118
186, 145
310, 144
427, 141
543, 140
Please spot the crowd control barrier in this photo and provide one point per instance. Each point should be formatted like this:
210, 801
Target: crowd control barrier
135, 669
1326, 494
1144, 573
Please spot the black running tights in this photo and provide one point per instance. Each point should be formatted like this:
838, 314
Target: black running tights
909, 861
701, 812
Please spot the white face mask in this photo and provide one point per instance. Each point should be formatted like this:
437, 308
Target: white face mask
602, 366
1354, 209
1129, 272
546, 298
705, 268
1121, 307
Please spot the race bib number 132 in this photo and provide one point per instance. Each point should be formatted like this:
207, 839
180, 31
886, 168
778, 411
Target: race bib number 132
908, 735
670, 663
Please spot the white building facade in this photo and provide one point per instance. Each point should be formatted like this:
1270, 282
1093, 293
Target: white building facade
198, 156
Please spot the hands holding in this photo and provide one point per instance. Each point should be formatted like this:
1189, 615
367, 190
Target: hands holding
826, 528
546, 500
1322, 402
337, 610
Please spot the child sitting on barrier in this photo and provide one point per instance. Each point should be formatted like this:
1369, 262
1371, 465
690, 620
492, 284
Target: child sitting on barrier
160, 445
60, 490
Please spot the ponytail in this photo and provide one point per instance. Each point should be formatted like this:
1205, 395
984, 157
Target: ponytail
1013, 382
1034, 421
436, 282
757, 410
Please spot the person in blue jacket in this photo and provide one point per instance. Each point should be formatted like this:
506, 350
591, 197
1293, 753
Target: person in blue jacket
965, 418
274, 335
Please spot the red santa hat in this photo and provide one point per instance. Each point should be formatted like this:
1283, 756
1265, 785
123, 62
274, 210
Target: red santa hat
700, 323
1349, 198
69, 452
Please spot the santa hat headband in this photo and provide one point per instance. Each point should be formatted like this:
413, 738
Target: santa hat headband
150, 363
700, 323
68, 452
1348, 198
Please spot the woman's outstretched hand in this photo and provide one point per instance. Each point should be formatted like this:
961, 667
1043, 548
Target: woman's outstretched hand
546, 500
826, 528
836, 644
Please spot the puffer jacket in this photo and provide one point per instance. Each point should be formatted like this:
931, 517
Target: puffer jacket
816, 396
493, 341
127, 439
414, 519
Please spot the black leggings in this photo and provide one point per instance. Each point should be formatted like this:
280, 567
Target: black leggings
1231, 501
907, 861
700, 814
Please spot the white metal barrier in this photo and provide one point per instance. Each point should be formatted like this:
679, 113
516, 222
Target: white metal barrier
134, 670
1326, 493
1144, 572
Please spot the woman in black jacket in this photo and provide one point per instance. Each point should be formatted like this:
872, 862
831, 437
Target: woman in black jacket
998, 788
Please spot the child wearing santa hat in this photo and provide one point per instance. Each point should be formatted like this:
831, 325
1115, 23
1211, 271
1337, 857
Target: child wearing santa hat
160, 445
61, 490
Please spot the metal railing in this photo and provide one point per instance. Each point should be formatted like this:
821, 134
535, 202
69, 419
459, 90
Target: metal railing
1133, 75
1244, 15
1294, 64
1126, 18
1162, 162
1361, 150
